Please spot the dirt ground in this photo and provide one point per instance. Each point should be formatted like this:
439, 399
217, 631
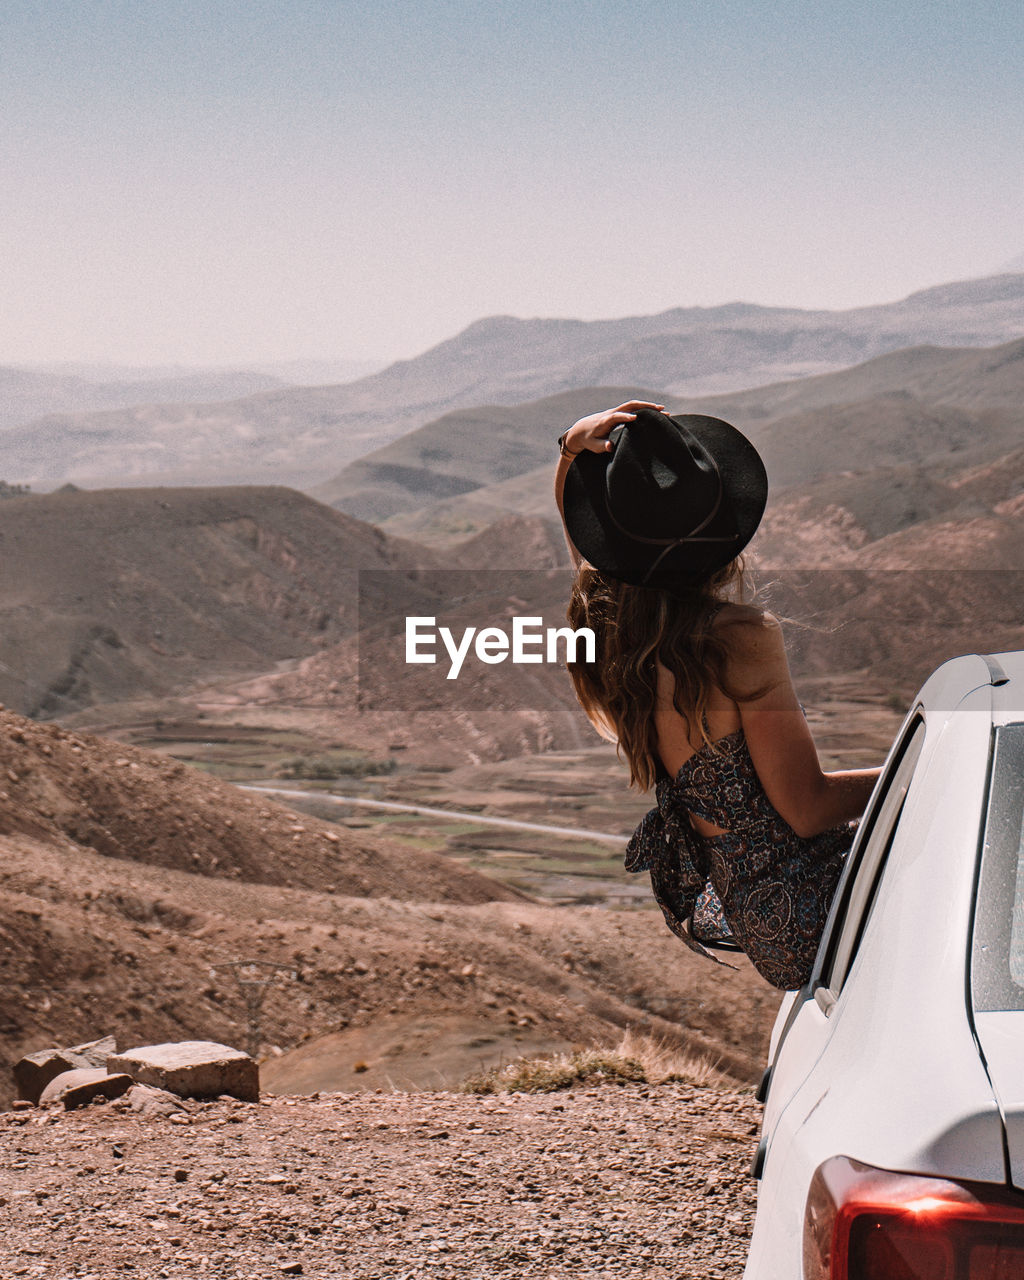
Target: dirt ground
630, 1182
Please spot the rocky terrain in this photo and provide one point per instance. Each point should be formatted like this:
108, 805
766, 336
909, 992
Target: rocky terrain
603, 1183
130, 883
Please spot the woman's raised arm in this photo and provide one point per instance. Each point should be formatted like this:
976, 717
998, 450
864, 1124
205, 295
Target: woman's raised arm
778, 737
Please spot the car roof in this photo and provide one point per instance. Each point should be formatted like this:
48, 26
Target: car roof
1008, 696
955, 679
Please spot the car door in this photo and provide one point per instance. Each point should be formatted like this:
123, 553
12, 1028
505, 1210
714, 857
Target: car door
802, 1040
806, 1035
828, 1062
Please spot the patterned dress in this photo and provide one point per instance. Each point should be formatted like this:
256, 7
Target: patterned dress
759, 885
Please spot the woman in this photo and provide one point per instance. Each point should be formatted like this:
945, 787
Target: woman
749, 835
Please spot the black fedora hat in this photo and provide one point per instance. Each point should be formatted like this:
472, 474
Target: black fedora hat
675, 499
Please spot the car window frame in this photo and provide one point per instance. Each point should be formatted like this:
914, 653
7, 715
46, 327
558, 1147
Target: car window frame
991, 985
858, 888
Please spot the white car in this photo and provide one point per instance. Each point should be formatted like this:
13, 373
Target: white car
892, 1146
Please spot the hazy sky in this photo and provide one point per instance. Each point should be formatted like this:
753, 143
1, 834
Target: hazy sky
210, 181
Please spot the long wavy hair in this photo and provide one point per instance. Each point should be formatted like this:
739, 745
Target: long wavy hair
636, 629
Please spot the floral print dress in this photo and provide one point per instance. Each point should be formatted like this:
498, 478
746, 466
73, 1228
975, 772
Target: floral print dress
760, 885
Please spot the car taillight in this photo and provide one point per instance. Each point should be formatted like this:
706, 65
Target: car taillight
867, 1224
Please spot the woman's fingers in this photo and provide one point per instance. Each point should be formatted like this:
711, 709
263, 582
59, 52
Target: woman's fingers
592, 431
627, 412
634, 405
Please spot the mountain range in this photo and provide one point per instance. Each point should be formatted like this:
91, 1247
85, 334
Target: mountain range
913, 407
304, 436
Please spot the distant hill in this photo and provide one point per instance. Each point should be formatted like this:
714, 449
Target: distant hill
115, 593
907, 407
973, 378
464, 450
30, 393
303, 436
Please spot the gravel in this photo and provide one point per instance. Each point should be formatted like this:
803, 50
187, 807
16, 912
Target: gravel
595, 1184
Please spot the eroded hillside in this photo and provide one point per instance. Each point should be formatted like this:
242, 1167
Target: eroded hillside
127, 878
111, 594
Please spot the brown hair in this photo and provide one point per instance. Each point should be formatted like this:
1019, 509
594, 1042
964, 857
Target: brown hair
635, 629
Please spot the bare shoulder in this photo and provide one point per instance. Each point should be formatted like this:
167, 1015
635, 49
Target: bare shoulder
744, 626
755, 645
744, 615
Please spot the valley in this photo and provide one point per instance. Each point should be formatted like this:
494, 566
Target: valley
438, 863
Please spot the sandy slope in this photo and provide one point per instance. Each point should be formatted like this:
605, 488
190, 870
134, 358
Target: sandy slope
126, 878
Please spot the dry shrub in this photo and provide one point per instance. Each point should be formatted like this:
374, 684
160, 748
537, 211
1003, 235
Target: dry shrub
635, 1060
665, 1064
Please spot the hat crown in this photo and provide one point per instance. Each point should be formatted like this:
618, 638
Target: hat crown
661, 483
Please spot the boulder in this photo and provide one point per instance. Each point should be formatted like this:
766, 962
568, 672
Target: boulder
149, 1102
192, 1069
33, 1073
76, 1088
94, 1053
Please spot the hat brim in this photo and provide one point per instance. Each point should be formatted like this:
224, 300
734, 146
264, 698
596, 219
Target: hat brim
603, 543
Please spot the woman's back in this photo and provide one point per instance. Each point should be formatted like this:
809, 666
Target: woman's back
678, 736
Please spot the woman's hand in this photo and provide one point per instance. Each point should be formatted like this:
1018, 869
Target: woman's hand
592, 432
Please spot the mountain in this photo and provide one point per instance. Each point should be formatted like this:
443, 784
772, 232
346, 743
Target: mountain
121, 596
974, 378
509, 360
464, 450
905, 407
303, 436
26, 394
117, 593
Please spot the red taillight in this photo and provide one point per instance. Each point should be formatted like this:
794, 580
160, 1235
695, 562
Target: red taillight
866, 1224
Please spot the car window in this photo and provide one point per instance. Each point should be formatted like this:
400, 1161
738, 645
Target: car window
859, 886
997, 951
